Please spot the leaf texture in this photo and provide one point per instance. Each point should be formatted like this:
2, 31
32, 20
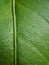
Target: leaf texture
33, 32
6, 33
25, 35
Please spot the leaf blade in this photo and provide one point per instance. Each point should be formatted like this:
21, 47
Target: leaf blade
6, 33
33, 32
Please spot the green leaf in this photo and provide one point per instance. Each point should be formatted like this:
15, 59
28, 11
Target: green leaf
26, 33
33, 32
6, 33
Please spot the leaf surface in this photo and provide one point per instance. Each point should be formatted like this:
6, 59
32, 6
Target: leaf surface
6, 33
32, 24
33, 32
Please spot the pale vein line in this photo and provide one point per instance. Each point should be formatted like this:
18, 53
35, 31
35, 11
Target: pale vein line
14, 33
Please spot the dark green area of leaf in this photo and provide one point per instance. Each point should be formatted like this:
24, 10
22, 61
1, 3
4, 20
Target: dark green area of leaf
6, 33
